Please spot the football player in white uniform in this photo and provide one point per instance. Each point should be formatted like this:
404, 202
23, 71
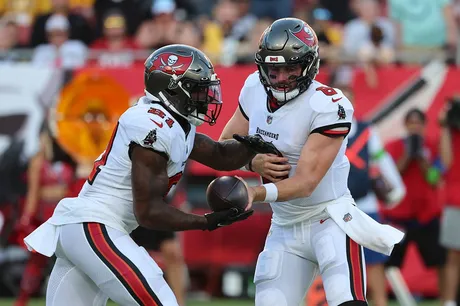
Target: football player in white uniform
315, 226
96, 257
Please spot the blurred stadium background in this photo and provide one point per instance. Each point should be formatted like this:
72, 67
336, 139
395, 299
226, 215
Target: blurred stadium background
77, 64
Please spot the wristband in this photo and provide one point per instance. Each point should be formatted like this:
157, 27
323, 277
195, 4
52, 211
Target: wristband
271, 193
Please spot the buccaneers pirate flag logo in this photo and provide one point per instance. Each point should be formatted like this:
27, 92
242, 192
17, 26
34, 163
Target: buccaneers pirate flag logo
171, 63
307, 36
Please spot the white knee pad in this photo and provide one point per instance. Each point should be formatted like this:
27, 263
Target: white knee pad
268, 266
271, 297
325, 252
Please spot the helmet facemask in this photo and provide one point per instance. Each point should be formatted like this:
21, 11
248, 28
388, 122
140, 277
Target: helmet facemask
204, 101
296, 83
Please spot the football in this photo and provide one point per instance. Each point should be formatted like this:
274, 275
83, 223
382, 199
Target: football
226, 192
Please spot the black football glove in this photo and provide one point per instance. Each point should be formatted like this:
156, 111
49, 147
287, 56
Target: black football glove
257, 144
226, 217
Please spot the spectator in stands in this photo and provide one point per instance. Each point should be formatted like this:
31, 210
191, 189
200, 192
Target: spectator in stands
247, 49
418, 215
196, 8
327, 32
161, 30
245, 21
60, 51
370, 34
369, 39
329, 36
8, 41
232, 23
21, 11
341, 10
425, 24
225, 14
135, 12
272, 8
79, 28
115, 48
190, 34
450, 225
50, 173
366, 153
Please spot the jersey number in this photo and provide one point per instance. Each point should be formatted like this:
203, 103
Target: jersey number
328, 91
101, 161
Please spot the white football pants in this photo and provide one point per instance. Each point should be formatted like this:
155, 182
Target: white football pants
294, 255
95, 262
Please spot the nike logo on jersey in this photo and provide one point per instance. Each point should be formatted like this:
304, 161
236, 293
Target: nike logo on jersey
159, 124
335, 100
322, 221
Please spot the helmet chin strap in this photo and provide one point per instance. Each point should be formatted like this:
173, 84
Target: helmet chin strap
192, 120
282, 96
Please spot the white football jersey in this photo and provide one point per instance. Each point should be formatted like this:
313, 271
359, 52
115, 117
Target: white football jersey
320, 109
106, 196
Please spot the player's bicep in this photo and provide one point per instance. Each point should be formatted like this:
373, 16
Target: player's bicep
316, 157
332, 113
149, 178
238, 124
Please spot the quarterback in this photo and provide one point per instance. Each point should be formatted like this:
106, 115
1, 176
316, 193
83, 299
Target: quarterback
316, 227
145, 157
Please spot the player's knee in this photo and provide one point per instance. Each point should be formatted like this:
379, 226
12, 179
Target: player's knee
268, 269
354, 303
271, 297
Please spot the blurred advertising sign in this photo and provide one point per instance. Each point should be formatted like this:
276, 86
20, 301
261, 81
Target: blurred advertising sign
86, 111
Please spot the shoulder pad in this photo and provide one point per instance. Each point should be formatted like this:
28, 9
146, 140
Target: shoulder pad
325, 99
148, 131
252, 80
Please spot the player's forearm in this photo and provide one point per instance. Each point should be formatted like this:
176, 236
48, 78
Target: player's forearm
232, 155
288, 189
168, 218
223, 155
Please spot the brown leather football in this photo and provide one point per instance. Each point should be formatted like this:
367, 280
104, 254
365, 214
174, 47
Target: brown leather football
226, 192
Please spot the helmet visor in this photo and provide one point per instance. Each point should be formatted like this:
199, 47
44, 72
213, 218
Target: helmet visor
206, 101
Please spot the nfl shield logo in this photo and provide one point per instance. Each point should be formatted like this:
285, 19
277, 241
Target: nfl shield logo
347, 217
269, 119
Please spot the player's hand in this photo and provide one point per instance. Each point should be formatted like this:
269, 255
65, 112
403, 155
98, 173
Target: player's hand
271, 167
257, 144
251, 193
226, 217
24, 227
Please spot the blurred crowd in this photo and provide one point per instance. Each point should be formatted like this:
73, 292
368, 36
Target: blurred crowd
70, 33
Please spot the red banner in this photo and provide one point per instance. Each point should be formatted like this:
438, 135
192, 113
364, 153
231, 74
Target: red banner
367, 100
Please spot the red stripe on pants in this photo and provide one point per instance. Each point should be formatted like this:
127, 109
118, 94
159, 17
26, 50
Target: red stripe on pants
123, 268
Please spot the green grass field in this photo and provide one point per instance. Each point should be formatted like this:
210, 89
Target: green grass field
210, 303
